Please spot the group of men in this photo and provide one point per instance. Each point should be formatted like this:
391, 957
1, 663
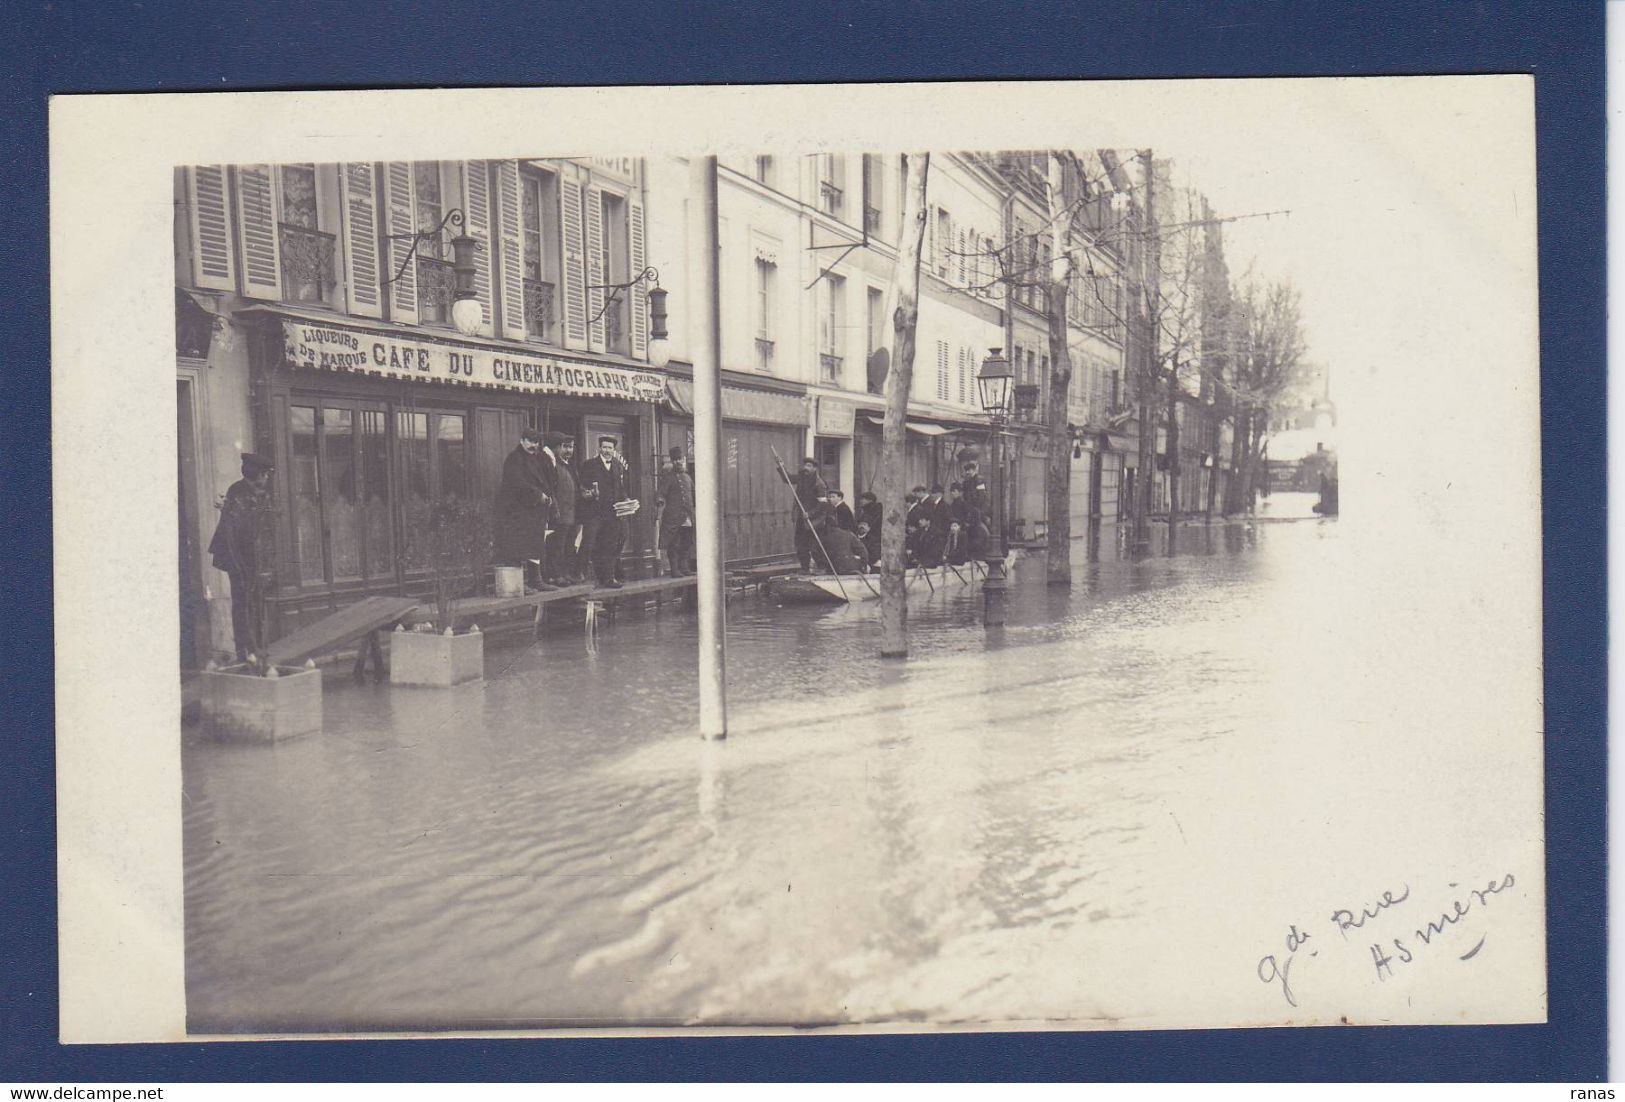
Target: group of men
552, 513
831, 538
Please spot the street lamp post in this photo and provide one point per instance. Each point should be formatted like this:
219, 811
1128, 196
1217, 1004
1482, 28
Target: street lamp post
993, 381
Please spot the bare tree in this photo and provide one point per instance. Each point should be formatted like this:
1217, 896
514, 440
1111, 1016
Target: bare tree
899, 381
1268, 365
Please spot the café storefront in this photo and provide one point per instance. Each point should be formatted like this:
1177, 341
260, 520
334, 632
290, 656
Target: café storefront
369, 424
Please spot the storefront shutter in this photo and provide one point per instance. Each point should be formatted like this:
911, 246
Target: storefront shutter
398, 201
575, 272
477, 210
593, 224
640, 291
212, 255
256, 229
510, 268
362, 287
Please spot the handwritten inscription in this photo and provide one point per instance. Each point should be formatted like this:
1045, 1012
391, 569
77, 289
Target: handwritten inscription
1388, 952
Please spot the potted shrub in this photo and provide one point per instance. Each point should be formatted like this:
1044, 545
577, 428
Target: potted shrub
452, 539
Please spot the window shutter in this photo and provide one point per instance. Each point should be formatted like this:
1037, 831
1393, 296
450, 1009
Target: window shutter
510, 264
931, 238
399, 202
363, 290
213, 260
942, 370
575, 272
593, 224
960, 238
477, 211
640, 292
256, 229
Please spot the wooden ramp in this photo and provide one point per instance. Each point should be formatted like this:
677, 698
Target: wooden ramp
344, 626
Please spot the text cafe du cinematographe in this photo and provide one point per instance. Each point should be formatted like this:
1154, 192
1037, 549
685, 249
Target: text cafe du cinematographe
331, 349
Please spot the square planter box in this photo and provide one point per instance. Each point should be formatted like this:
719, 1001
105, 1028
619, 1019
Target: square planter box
429, 658
243, 707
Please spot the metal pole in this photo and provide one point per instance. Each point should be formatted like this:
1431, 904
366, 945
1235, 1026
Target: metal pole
993, 588
708, 451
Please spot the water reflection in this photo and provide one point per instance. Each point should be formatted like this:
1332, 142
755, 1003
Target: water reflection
875, 841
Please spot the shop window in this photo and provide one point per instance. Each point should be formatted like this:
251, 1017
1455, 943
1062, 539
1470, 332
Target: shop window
944, 242
378, 524
306, 251
304, 490
339, 505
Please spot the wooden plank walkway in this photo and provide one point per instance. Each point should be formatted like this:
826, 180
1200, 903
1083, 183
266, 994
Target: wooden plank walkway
469, 609
343, 626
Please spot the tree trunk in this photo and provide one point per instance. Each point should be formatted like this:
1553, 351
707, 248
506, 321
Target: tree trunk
1058, 472
1152, 276
899, 382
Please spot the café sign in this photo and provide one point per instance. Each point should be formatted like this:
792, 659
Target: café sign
331, 348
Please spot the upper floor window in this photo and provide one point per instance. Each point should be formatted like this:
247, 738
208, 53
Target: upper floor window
943, 241
616, 262
437, 283
873, 189
539, 230
831, 327
766, 275
764, 170
307, 253
831, 183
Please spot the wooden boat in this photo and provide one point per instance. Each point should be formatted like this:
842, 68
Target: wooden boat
823, 589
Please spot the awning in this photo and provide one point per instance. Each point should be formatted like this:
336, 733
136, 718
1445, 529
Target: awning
924, 428
739, 404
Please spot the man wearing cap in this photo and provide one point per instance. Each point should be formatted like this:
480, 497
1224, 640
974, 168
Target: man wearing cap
235, 548
974, 510
677, 515
810, 491
524, 504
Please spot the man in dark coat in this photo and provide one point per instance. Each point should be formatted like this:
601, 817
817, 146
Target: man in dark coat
524, 504
810, 491
844, 553
561, 544
842, 511
924, 544
604, 481
235, 548
974, 509
677, 515
868, 529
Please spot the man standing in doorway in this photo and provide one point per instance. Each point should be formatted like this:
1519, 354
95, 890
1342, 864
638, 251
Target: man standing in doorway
524, 505
561, 560
677, 516
603, 483
235, 548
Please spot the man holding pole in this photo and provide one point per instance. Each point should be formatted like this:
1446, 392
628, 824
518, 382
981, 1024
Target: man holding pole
810, 492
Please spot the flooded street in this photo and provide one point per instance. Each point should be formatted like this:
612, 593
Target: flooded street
1063, 823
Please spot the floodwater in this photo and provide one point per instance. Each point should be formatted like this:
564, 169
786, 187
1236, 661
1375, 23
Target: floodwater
994, 831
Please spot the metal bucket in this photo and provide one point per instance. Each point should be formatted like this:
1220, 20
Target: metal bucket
510, 581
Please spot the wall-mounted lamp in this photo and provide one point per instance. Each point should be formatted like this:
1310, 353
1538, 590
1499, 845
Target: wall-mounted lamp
467, 313
659, 340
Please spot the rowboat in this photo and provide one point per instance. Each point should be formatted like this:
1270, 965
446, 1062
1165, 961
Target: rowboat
823, 589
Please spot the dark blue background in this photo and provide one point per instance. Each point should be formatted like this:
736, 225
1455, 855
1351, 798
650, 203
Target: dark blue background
101, 45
